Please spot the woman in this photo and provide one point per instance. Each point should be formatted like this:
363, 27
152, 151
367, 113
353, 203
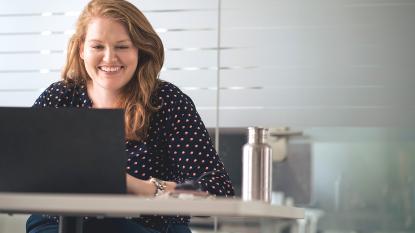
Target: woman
113, 61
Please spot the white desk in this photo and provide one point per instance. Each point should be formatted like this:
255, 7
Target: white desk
132, 206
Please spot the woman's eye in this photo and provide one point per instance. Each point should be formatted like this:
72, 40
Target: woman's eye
98, 47
122, 47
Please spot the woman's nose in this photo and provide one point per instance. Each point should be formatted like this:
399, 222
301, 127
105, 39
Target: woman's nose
109, 55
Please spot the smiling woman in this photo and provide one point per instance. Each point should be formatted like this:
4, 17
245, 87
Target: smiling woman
113, 61
103, 30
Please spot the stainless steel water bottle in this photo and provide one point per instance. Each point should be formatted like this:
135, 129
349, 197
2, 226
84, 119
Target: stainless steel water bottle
257, 166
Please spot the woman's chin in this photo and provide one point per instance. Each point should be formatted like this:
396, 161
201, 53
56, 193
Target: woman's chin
111, 85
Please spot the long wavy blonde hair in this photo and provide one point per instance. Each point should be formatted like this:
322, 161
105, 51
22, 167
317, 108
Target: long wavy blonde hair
136, 96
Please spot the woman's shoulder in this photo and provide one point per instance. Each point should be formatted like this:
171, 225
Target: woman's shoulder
167, 91
60, 87
172, 100
166, 87
59, 93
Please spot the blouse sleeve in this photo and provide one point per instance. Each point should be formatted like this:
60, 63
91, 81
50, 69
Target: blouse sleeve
189, 146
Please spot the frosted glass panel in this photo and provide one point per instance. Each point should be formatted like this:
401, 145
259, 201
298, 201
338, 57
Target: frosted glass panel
317, 63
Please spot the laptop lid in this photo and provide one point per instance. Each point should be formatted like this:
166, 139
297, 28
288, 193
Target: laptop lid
64, 150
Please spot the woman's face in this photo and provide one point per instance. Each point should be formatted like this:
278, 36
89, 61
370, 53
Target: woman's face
109, 55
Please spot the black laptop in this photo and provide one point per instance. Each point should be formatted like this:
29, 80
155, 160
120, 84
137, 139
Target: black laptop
65, 150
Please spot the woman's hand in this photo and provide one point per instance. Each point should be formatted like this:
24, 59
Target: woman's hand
145, 187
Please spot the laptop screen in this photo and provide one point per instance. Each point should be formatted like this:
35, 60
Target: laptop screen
65, 150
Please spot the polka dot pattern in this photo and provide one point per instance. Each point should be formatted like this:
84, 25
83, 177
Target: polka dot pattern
177, 147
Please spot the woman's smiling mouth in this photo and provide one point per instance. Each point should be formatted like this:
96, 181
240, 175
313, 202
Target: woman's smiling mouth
110, 69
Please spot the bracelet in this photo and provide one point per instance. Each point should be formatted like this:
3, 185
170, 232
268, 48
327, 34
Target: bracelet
160, 186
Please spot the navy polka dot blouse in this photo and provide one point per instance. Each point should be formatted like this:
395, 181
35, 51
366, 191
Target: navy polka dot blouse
177, 148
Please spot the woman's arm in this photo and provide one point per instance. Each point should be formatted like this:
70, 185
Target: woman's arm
189, 147
187, 151
145, 187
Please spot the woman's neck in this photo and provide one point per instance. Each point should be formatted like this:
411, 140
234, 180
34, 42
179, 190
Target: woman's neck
102, 98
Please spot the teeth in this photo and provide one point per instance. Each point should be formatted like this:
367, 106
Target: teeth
110, 68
